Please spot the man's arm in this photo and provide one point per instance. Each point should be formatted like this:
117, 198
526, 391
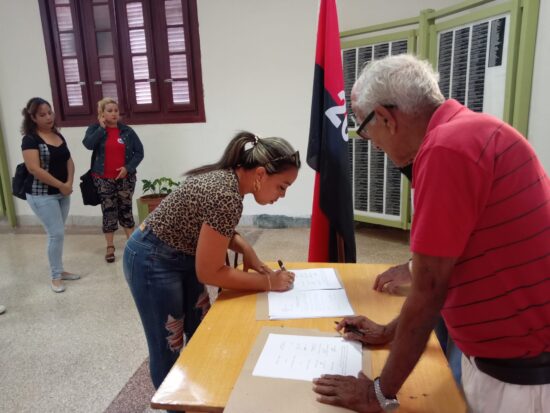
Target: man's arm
417, 318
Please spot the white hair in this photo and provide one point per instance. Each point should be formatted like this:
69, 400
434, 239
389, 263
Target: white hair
402, 80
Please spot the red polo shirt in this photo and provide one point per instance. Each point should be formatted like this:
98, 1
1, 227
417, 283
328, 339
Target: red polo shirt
481, 194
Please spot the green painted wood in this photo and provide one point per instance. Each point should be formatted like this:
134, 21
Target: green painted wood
378, 221
458, 8
474, 16
513, 43
525, 55
6, 197
379, 27
432, 50
390, 37
424, 24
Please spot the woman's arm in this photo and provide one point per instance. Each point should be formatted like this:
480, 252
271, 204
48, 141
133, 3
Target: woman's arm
138, 153
93, 136
250, 259
70, 172
211, 268
32, 162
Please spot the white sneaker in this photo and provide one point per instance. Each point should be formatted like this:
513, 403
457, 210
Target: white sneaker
58, 288
2, 309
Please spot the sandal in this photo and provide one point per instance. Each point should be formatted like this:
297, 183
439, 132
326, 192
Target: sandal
110, 255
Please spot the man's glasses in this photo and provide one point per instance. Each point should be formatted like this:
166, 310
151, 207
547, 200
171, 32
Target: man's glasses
361, 129
364, 124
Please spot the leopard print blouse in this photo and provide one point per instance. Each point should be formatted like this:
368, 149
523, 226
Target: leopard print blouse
212, 198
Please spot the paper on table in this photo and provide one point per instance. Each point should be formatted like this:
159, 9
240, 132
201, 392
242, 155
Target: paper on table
316, 279
305, 357
308, 304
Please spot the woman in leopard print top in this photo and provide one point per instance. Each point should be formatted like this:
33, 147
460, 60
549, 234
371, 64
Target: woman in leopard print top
182, 245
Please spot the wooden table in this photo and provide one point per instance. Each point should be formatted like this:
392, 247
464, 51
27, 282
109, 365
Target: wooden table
204, 375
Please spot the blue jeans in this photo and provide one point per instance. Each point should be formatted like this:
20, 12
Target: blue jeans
452, 352
170, 300
52, 210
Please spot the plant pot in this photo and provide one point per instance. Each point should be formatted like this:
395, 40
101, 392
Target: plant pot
152, 201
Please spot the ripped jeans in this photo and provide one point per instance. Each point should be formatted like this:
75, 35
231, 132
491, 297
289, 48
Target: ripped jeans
170, 299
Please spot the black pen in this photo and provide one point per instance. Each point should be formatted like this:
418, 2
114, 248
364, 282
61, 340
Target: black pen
351, 329
281, 265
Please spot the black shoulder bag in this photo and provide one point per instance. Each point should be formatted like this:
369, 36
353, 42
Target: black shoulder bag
18, 181
87, 186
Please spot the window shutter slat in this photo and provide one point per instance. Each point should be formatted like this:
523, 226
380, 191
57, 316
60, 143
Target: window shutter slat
64, 18
176, 39
174, 12
180, 92
445, 62
68, 47
478, 57
143, 93
134, 11
178, 66
361, 175
460, 64
496, 48
138, 43
393, 189
349, 60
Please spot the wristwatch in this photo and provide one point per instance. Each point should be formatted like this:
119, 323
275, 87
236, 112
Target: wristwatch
388, 404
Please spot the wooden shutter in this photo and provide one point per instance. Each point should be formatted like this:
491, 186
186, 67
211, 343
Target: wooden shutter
69, 58
138, 50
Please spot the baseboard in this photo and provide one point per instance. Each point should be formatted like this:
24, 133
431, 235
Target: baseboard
259, 221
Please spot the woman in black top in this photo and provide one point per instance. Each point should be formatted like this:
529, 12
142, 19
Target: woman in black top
50, 181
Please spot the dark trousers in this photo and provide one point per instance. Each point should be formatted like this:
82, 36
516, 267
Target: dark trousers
116, 201
170, 299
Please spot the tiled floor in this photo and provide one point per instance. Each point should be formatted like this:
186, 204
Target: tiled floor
73, 352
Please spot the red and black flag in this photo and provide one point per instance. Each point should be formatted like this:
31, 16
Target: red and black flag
327, 153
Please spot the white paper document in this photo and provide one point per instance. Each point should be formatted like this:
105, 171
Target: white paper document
316, 279
307, 357
308, 304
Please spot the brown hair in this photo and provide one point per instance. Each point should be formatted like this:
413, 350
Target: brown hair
274, 154
28, 126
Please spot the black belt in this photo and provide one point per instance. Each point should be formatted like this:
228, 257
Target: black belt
525, 371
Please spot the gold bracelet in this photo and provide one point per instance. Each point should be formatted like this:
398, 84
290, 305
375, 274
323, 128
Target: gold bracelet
268, 281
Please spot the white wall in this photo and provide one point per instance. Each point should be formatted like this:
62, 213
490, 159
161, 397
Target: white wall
257, 75
257, 62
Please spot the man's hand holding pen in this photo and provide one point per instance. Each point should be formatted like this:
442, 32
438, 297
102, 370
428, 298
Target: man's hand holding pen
362, 329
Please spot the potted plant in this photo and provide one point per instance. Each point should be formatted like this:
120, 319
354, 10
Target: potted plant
154, 191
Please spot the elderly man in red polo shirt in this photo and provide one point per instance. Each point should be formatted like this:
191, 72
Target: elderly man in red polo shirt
480, 241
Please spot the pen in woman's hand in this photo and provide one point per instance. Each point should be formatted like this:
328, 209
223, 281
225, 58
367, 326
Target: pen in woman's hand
281, 265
